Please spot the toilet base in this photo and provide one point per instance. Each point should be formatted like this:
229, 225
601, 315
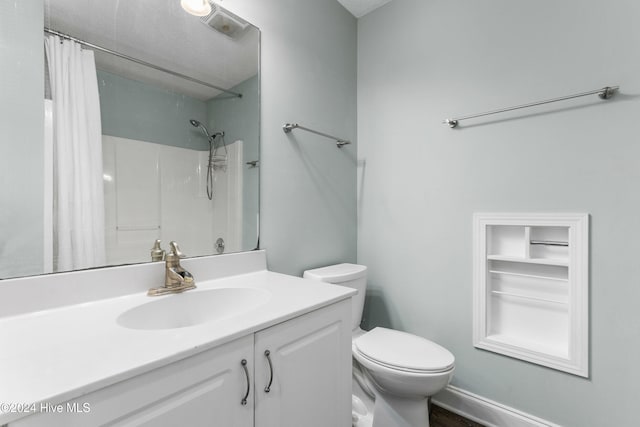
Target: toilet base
390, 411
384, 409
363, 412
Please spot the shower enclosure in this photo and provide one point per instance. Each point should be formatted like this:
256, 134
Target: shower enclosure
155, 191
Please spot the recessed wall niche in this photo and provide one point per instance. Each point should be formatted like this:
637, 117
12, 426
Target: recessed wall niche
531, 288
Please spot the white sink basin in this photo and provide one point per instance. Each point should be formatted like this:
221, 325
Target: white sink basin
193, 308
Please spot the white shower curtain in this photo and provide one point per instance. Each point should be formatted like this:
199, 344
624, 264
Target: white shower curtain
78, 196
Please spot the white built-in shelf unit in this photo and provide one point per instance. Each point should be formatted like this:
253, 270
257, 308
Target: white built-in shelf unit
531, 288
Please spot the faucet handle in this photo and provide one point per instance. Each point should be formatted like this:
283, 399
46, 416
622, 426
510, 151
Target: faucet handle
157, 253
175, 250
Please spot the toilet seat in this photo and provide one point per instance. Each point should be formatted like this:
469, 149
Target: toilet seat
403, 351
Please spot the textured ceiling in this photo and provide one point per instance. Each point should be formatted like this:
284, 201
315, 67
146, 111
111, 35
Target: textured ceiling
361, 7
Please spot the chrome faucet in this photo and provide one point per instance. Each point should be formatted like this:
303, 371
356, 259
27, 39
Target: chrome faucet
176, 278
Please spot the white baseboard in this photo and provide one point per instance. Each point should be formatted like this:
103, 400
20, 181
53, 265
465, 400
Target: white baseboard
485, 411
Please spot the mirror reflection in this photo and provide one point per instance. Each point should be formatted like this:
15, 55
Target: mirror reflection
150, 133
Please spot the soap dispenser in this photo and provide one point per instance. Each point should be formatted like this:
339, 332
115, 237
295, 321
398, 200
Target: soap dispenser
157, 253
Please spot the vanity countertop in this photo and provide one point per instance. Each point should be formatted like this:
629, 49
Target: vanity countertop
54, 355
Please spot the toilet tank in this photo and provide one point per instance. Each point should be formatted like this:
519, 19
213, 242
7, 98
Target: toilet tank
350, 275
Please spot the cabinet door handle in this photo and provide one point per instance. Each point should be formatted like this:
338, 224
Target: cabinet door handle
267, 389
246, 372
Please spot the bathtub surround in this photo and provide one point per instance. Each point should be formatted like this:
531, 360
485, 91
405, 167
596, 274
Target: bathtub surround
423, 181
157, 191
140, 112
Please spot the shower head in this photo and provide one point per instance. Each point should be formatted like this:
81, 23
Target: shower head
210, 137
197, 124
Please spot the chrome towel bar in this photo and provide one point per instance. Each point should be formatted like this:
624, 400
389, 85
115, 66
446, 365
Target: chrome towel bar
339, 141
604, 93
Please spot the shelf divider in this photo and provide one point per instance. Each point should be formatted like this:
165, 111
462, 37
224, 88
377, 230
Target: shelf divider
534, 276
527, 297
542, 261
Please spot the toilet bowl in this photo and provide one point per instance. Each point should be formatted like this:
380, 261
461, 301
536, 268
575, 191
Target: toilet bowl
397, 370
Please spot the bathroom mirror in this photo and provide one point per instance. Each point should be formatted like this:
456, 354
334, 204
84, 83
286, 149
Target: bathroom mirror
165, 149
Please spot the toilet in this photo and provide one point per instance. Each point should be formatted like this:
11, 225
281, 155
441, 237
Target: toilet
394, 373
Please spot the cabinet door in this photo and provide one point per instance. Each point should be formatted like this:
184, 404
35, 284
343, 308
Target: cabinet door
204, 390
308, 369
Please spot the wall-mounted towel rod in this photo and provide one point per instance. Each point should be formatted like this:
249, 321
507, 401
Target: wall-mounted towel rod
549, 243
139, 61
291, 126
604, 93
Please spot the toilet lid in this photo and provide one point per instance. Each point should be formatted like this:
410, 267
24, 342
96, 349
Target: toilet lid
402, 350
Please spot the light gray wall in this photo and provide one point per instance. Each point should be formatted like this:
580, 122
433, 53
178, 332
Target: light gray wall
22, 127
420, 182
136, 110
239, 118
308, 186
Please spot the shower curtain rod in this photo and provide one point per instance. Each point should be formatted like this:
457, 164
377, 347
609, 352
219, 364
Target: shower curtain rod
138, 61
604, 93
291, 126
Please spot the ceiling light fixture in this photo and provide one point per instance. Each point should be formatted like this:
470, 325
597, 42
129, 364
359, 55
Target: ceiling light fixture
196, 7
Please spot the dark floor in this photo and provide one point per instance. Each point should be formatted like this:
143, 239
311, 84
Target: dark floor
442, 418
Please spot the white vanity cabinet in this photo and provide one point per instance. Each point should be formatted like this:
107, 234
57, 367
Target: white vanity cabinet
303, 371
310, 380
202, 390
